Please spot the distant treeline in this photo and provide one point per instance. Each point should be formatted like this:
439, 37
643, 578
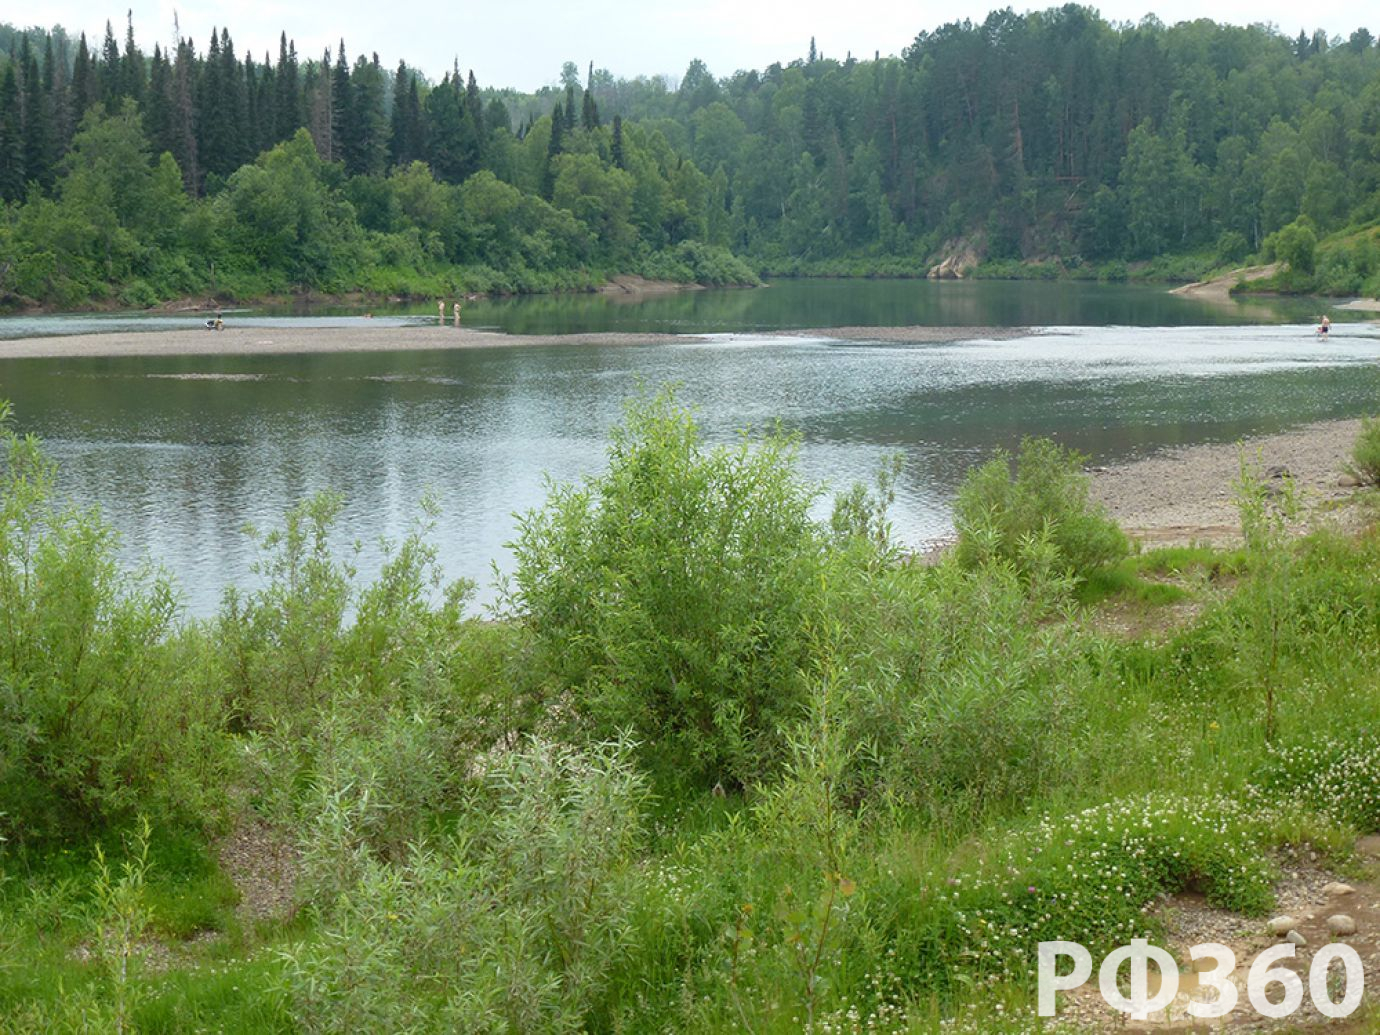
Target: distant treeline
1052, 134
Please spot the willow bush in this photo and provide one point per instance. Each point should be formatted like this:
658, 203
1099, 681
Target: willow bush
674, 595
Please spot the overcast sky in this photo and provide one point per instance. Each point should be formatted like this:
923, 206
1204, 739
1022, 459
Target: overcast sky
522, 43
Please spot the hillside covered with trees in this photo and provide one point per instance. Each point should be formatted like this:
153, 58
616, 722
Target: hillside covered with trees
1052, 141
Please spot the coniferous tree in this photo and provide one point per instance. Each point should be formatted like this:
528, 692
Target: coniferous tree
616, 150
158, 105
474, 108
341, 126
287, 114
84, 84
59, 101
568, 112
11, 141
110, 69
266, 104
36, 119
589, 116
216, 121
319, 89
496, 116
404, 130
237, 133
366, 148
452, 144
249, 145
131, 65
184, 139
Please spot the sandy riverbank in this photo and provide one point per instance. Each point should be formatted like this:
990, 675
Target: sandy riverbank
1219, 289
246, 341
1185, 495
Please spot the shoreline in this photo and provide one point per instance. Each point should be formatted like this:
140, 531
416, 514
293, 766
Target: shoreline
1219, 289
1184, 495
628, 285
252, 341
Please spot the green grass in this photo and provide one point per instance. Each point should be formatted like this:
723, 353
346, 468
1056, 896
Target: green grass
963, 767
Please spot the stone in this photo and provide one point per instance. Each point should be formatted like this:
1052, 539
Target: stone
1296, 938
1282, 925
1276, 471
1341, 924
1338, 889
1349, 481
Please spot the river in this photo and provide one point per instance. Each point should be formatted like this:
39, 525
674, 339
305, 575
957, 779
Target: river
180, 453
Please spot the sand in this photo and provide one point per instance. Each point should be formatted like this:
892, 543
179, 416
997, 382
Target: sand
1185, 495
247, 341
1219, 288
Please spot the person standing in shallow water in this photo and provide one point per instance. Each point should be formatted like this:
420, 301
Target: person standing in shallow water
1324, 326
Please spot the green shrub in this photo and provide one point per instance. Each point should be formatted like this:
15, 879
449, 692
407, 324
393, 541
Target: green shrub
97, 717
1365, 454
674, 595
518, 923
1232, 247
1006, 518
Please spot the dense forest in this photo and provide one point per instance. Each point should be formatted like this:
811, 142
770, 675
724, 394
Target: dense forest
1052, 141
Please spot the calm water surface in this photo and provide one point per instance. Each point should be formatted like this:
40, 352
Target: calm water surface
182, 452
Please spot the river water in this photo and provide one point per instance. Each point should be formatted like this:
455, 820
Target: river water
181, 453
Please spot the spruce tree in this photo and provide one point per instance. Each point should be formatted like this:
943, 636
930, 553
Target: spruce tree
496, 116
110, 69
184, 138
474, 106
589, 117
237, 133
11, 143
402, 134
266, 103
214, 113
84, 86
158, 106
36, 118
340, 107
59, 102
616, 151
131, 65
569, 109
287, 115
366, 152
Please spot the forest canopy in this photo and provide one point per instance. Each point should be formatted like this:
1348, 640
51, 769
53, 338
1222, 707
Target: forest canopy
129, 177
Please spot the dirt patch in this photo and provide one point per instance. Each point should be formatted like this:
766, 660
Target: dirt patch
1307, 891
264, 868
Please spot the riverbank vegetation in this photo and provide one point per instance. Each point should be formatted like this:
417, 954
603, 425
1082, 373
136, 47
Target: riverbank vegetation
1051, 143
710, 764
